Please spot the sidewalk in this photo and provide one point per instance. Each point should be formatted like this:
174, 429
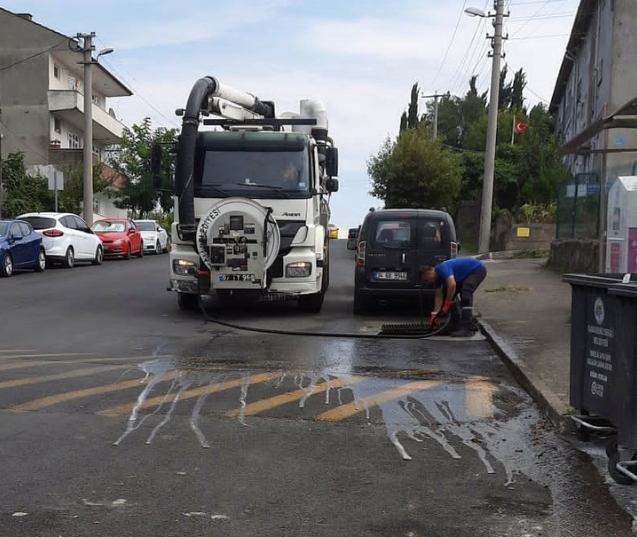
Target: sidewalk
525, 310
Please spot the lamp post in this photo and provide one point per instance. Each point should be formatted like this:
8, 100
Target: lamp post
87, 181
492, 128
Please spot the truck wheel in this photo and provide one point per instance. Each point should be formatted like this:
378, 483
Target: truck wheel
311, 303
187, 301
325, 280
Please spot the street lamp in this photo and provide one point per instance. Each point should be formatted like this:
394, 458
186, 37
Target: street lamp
494, 96
87, 180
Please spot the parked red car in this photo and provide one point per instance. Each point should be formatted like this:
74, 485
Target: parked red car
120, 238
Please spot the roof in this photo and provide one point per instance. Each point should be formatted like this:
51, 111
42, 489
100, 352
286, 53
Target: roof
582, 21
435, 213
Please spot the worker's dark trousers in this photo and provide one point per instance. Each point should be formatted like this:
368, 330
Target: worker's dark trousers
463, 319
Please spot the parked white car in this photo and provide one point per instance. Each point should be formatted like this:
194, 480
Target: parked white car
66, 238
154, 236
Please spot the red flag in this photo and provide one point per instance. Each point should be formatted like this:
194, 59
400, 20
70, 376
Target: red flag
519, 127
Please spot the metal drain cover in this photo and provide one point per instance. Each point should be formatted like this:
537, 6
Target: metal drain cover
405, 328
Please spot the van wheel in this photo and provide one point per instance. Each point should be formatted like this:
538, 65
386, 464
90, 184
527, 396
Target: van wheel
187, 301
311, 303
360, 305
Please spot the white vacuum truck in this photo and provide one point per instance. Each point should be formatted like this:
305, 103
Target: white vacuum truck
251, 199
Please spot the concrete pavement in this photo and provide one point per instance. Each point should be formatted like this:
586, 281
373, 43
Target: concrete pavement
524, 309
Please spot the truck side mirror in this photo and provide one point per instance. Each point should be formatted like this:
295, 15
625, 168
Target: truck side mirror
331, 164
155, 165
331, 185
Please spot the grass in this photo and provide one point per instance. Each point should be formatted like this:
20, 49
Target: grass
532, 254
507, 289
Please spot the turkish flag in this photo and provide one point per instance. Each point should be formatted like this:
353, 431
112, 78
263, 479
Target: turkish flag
519, 127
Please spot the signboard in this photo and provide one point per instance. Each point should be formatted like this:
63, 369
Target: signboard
620, 141
632, 250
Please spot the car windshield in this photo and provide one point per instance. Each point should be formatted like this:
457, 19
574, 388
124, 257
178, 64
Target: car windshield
39, 222
145, 226
108, 227
3, 228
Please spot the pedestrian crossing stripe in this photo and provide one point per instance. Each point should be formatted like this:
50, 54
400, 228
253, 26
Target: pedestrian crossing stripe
84, 372
289, 397
40, 355
125, 409
34, 363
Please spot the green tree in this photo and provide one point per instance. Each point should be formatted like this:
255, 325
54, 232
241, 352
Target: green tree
415, 171
132, 160
70, 199
410, 119
23, 193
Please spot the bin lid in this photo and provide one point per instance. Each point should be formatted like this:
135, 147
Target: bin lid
593, 280
624, 289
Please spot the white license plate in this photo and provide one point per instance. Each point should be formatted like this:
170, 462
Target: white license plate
394, 276
236, 278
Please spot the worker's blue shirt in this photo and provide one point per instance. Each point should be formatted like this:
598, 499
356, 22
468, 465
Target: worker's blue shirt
459, 268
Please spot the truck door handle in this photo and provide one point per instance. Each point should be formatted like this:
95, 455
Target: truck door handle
403, 257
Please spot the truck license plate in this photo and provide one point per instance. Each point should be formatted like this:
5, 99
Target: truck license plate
236, 278
397, 276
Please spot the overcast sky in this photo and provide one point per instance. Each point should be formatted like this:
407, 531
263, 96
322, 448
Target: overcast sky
359, 57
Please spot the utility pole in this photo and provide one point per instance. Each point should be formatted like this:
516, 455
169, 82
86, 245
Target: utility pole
88, 126
1, 185
489, 157
435, 98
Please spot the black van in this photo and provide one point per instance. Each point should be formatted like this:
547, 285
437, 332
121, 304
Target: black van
392, 245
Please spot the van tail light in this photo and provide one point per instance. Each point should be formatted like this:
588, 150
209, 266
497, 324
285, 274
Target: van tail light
454, 249
53, 233
360, 255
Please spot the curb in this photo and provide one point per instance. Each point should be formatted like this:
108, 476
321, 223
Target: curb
549, 403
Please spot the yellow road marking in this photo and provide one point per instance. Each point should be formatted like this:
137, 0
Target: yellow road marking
52, 400
34, 363
12, 356
125, 409
289, 397
346, 411
479, 398
3, 351
60, 376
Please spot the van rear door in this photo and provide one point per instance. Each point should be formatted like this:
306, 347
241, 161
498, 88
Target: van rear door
433, 241
390, 256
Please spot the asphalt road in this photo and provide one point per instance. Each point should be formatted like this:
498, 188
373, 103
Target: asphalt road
121, 415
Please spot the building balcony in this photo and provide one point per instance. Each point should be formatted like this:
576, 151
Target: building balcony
68, 105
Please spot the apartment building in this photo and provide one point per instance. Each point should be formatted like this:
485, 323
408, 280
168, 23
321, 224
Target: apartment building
42, 98
597, 79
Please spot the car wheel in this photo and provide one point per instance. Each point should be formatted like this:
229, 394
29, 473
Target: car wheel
311, 303
141, 250
187, 301
99, 256
69, 258
128, 253
6, 269
40, 263
158, 248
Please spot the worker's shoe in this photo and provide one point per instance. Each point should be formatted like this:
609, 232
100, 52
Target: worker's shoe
462, 332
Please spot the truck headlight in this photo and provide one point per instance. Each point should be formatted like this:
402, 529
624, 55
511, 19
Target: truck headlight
300, 269
183, 267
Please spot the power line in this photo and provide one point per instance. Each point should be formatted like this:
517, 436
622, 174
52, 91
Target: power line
137, 93
546, 3
33, 55
538, 37
450, 43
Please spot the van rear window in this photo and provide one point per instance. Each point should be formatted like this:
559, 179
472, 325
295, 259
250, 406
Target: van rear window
395, 233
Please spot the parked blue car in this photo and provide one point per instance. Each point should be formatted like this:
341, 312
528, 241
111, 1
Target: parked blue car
20, 248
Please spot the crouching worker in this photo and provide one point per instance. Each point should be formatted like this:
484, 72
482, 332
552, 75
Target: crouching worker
460, 276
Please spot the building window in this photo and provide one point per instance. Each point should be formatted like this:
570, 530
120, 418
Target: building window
72, 83
74, 141
96, 99
56, 71
57, 125
97, 153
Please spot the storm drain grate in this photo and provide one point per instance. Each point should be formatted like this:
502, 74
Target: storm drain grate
405, 328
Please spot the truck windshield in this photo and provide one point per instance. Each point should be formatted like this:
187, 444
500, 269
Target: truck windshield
270, 174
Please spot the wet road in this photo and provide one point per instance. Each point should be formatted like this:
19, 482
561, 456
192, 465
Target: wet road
121, 415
